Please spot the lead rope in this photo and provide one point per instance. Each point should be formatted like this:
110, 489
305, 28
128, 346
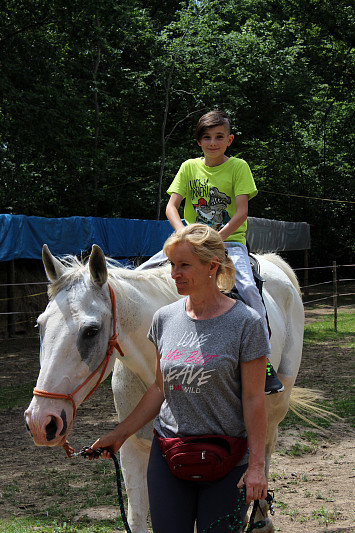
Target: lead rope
261, 523
233, 519
119, 492
86, 452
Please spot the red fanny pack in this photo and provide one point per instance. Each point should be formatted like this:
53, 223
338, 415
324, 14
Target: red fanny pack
202, 458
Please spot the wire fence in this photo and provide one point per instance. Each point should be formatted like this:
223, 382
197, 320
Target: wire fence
20, 306
337, 299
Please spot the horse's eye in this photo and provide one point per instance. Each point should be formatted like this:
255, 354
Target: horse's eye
90, 332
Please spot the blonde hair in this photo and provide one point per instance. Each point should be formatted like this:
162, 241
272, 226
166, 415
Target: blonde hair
206, 244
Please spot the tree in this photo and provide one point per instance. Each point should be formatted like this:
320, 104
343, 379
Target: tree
100, 100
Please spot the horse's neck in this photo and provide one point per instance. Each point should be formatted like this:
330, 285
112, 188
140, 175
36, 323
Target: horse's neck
138, 298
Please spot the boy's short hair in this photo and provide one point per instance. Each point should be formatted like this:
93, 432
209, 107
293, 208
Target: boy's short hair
210, 120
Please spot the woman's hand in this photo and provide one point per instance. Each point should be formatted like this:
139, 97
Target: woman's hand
111, 442
146, 410
255, 482
253, 398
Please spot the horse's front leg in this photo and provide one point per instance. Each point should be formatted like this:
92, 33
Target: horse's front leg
128, 389
276, 409
134, 456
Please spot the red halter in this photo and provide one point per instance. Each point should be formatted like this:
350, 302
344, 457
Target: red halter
112, 343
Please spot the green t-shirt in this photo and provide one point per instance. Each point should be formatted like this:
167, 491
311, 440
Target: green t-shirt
210, 192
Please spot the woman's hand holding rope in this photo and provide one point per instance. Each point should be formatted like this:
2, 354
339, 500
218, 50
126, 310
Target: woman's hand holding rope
255, 483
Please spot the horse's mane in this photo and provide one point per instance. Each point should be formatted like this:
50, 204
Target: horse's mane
158, 278
76, 269
283, 265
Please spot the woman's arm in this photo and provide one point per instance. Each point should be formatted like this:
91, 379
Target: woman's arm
172, 212
147, 409
253, 399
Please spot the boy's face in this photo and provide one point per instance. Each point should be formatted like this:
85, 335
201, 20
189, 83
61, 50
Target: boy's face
214, 143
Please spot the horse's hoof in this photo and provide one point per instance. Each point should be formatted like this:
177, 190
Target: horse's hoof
268, 528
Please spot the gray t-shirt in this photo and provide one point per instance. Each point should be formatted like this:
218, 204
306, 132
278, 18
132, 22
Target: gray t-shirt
200, 367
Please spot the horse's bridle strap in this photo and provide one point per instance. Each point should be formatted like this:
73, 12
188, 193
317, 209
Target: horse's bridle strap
112, 344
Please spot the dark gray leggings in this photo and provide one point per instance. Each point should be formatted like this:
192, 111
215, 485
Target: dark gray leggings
176, 504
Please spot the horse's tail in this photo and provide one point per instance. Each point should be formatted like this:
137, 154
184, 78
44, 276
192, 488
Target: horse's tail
304, 403
285, 267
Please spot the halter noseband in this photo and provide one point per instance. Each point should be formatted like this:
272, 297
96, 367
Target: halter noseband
112, 343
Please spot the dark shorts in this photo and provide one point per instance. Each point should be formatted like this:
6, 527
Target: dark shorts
175, 504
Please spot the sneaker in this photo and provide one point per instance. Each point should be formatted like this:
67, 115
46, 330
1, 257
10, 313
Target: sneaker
272, 382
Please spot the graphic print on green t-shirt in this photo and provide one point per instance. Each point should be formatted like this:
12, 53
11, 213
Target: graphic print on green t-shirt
214, 211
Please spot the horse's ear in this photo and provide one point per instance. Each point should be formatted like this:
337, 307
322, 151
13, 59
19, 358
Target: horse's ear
97, 266
54, 268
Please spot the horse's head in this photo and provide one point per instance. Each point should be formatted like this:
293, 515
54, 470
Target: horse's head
75, 331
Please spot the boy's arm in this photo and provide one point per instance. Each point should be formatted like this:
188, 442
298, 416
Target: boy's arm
241, 213
172, 212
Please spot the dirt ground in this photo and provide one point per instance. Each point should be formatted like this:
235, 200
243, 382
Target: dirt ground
312, 471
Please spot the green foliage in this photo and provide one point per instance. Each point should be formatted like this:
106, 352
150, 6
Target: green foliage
99, 102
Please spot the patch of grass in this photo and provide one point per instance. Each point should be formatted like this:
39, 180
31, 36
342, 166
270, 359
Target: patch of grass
275, 476
340, 400
16, 395
297, 450
324, 516
294, 514
21, 395
31, 525
322, 330
282, 505
63, 497
311, 437
292, 420
345, 407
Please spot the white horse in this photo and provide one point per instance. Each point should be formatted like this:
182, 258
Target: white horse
80, 322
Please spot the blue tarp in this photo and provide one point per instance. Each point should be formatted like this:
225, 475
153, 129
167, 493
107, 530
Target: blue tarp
22, 237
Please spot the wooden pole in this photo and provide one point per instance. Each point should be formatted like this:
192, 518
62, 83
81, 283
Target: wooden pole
335, 296
305, 278
11, 327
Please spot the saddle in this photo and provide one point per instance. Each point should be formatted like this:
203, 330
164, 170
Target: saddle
259, 281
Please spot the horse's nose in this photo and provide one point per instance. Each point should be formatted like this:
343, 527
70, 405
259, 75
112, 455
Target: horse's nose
56, 424
47, 428
27, 426
26, 414
51, 429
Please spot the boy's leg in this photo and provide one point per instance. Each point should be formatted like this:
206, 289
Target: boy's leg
172, 501
244, 279
247, 289
154, 261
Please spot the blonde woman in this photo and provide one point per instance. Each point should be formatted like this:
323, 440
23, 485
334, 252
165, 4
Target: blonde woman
210, 374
